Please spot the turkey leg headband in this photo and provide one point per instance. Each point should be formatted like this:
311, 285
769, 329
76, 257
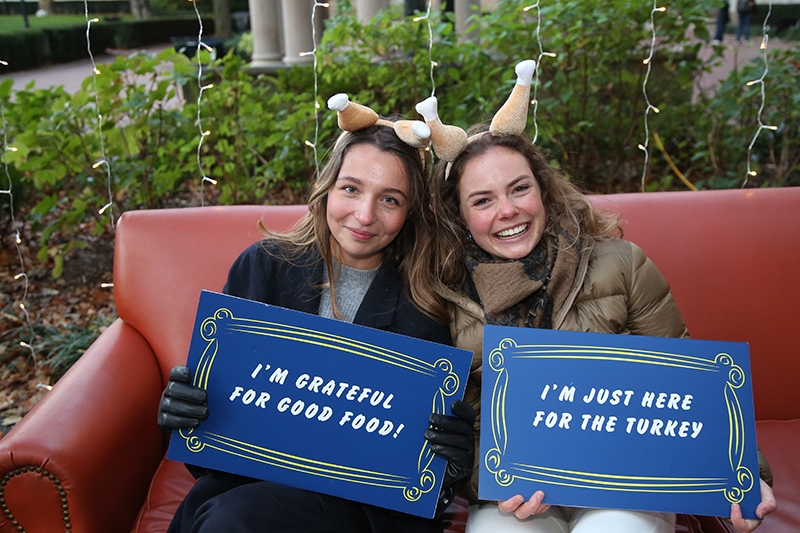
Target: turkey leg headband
449, 141
353, 117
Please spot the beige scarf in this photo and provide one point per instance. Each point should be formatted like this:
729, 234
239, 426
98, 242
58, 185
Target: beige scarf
526, 292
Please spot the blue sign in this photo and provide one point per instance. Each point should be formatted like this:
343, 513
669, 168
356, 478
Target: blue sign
618, 421
319, 404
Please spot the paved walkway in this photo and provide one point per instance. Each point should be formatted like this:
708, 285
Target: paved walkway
70, 75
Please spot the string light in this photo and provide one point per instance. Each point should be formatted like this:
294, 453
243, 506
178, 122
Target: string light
427, 17
95, 73
542, 53
313, 53
201, 88
761, 126
18, 239
650, 107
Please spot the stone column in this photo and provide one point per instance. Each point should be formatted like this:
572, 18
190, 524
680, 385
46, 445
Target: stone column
366, 9
464, 10
297, 31
265, 23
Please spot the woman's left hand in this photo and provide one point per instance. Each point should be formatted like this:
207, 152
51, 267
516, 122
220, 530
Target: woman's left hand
523, 509
768, 505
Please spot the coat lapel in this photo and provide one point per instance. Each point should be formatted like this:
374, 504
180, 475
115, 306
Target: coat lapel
381, 301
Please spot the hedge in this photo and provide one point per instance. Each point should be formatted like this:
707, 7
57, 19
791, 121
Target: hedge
30, 49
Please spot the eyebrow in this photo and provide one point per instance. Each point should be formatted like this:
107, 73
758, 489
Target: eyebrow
510, 185
359, 181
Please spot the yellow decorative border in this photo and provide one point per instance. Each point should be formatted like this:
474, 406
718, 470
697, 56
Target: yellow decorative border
224, 321
504, 476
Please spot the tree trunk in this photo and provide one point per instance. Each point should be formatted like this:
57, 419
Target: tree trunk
222, 19
46, 5
140, 9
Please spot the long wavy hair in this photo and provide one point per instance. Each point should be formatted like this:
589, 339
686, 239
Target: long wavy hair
565, 206
411, 250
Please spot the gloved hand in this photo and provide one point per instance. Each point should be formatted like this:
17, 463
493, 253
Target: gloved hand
182, 406
453, 438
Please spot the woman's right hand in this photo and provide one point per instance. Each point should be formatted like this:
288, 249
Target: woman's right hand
182, 406
523, 509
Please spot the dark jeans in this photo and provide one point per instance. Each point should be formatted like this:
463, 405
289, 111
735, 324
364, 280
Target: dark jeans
226, 503
720, 29
744, 26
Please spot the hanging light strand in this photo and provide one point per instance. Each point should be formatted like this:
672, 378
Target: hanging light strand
434, 64
201, 88
762, 84
650, 107
104, 161
542, 53
17, 242
313, 52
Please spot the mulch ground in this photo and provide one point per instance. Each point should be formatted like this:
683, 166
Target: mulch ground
56, 310
69, 310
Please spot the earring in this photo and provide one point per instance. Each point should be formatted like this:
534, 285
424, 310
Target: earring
469, 235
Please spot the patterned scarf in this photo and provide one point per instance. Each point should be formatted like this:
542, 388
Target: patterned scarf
526, 292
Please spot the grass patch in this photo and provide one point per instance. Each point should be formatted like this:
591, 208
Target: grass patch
11, 23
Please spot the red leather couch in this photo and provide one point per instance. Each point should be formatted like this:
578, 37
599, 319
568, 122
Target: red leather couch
89, 458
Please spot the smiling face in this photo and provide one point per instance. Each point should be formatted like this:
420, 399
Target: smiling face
367, 205
501, 203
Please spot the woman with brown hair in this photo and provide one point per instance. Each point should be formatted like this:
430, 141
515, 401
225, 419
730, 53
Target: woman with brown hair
520, 246
353, 257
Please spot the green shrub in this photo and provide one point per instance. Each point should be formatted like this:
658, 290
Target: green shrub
725, 124
589, 118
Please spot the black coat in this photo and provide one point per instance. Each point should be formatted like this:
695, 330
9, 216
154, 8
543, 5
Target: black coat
265, 275
262, 273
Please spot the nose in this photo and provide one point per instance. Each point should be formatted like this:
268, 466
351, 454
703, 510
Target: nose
506, 208
366, 213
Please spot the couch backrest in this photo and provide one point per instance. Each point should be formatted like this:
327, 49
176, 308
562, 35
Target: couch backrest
730, 257
164, 258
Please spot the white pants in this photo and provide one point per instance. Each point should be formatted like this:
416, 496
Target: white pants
487, 518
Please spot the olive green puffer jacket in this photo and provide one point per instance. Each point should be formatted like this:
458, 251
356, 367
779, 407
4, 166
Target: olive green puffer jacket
617, 290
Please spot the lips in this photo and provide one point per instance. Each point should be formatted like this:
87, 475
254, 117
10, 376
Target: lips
360, 235
512, 232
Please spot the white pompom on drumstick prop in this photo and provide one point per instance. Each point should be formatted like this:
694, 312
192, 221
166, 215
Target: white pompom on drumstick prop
513, 116
412, 132
448, 141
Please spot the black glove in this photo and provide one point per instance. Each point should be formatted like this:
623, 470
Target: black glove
453, 438
182, 406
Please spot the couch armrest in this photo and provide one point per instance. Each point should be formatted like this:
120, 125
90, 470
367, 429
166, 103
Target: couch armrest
83, 458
